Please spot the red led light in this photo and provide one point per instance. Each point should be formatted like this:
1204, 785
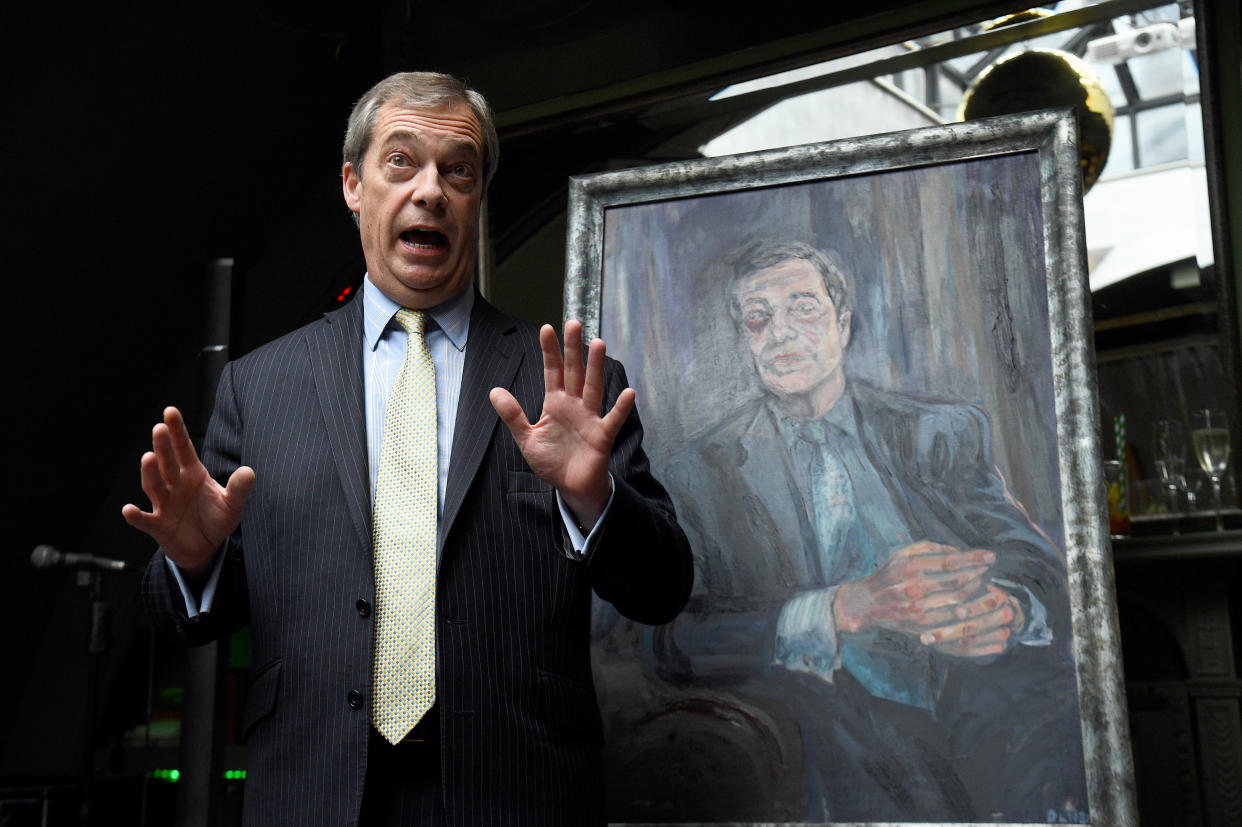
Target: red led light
344, 293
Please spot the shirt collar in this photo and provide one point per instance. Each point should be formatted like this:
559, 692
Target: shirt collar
452, 316
841, 416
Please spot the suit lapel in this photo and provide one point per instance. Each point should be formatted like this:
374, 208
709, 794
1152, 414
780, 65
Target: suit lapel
336, 363
493, 355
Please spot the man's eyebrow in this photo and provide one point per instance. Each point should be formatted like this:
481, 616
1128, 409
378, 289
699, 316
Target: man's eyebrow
405, 136
804, 294
400, 137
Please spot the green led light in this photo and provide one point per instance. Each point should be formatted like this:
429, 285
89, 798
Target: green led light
173, 775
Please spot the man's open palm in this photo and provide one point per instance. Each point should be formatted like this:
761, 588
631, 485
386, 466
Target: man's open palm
191, 514
569, 445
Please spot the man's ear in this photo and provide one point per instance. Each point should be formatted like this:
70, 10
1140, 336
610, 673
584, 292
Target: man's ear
843, 328
351, 182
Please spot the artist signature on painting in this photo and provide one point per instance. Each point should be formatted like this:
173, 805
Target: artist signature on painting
1068, 817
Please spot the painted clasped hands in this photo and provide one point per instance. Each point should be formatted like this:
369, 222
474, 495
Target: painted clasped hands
938, 594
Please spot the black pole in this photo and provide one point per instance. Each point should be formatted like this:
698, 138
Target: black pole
199, 789
97, 644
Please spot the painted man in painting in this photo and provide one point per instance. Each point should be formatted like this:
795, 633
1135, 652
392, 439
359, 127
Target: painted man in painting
863, 565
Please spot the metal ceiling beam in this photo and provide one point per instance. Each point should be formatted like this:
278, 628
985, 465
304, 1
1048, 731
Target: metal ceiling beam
834, 38
991, 40
706, 78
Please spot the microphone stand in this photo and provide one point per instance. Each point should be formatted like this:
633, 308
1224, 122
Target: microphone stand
97, 643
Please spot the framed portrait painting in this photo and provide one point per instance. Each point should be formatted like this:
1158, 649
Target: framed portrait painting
865, 373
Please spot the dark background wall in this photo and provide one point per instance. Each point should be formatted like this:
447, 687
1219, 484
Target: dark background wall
146, 140
142, 144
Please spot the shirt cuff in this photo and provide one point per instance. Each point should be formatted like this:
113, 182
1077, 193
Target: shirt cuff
195, 606
806, 638
582, 545
1037, 631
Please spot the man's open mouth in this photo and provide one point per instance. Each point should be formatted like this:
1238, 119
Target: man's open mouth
425, 239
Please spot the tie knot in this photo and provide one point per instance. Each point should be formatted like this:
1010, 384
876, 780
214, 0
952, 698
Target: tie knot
413, 321
812, 431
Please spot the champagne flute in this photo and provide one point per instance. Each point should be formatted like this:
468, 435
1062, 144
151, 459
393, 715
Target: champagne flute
1210, 433
1171, 446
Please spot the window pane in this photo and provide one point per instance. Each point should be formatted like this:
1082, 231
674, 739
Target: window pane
1157, 74
1162, 135
1107, 73
1121, 155
1194, 132
1190, 73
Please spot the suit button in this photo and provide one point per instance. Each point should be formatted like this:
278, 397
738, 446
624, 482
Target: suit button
364, 608
355, 699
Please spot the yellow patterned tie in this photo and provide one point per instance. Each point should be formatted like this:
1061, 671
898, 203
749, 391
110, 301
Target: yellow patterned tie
405, 544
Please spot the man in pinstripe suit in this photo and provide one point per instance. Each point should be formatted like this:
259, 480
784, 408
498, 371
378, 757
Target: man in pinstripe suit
273, 526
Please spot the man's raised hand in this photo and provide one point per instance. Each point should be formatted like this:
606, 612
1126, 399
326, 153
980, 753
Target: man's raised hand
569, 445
191, 514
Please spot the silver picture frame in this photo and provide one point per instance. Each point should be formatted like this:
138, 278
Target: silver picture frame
968, 242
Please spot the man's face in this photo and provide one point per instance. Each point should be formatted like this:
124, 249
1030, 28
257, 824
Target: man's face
417, 199
791, 325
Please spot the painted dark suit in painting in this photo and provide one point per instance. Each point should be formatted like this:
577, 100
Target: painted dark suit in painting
871, 602
885, 693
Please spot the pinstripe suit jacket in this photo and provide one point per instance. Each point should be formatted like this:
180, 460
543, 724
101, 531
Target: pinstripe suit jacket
521, 734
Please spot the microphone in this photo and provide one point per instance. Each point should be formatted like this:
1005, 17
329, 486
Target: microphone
45, 556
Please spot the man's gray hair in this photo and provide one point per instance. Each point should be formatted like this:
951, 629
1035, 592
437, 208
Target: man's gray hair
762, 254
418, 90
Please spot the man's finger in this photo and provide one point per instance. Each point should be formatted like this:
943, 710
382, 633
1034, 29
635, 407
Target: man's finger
164, 455
981, 625
182, 445
139, 519
991, 643
240, 483
153, 483
573, 357
967, 579
923, 547
916, 618
510, 412
553, 366
939, 594
913, 581
614, 419
950, 562
916, 605
991, 600
593, 386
